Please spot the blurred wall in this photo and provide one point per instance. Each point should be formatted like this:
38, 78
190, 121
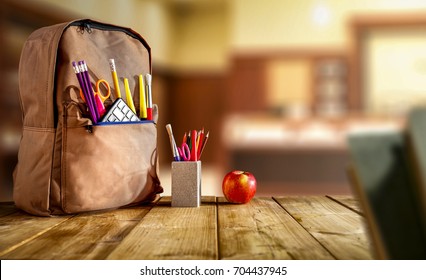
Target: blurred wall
201, 38
317, 23
393, 87
205, 33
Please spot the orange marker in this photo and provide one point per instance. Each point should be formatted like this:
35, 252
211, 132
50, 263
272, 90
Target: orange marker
184, 139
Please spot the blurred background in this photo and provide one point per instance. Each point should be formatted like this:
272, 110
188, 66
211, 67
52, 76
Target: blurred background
277, 83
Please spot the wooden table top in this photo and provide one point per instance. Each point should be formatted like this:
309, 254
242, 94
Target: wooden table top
293, 227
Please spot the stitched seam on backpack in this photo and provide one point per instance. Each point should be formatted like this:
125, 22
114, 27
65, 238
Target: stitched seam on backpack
39, 129
52, 55
63, 165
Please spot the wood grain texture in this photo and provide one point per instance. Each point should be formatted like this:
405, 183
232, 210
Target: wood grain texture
7, 208
308, 227
262, 229
85, 236
173, 233
349, 201
19, 229
341, 231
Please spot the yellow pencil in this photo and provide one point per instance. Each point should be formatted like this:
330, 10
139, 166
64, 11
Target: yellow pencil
142, 103
129, 95
114, 77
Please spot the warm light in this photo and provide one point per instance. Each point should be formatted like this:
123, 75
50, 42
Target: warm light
321, 14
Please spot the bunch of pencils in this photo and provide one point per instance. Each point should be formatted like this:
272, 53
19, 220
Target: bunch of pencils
82, 73
193, 144
196, 141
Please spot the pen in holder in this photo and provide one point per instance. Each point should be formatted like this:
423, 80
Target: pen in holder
186, 183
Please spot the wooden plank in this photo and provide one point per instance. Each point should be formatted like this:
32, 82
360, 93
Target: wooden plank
85, 236
262, 229
339, 229
19, 229
173, 233
349, 201
7, 208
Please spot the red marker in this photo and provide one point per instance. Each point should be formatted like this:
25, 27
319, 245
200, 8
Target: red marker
148, 79
194, 150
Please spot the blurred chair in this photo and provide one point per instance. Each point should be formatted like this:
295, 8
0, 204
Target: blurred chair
381, 174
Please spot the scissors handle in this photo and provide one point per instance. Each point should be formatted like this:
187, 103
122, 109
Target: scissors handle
98, 91
184, 152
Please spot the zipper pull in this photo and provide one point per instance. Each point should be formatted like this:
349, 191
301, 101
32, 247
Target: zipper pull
89, 128
85, 26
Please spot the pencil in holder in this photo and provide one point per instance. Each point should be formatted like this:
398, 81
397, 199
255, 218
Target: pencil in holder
186, 183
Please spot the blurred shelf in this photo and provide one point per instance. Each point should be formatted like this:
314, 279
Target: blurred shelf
262, 132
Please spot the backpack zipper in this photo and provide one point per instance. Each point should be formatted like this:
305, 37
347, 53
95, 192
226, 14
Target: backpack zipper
88, 25
84, 26
89, 127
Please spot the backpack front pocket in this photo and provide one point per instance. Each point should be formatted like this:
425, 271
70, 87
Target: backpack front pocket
108, 166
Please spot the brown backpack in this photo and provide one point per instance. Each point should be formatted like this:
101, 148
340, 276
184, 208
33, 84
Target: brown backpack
66, 163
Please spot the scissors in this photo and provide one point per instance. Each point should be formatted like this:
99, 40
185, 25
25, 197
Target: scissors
99, 97
98, 92
184, 152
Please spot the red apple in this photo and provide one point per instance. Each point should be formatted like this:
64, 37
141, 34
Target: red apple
239, 186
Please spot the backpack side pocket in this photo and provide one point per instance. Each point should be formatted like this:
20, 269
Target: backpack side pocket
32, 173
